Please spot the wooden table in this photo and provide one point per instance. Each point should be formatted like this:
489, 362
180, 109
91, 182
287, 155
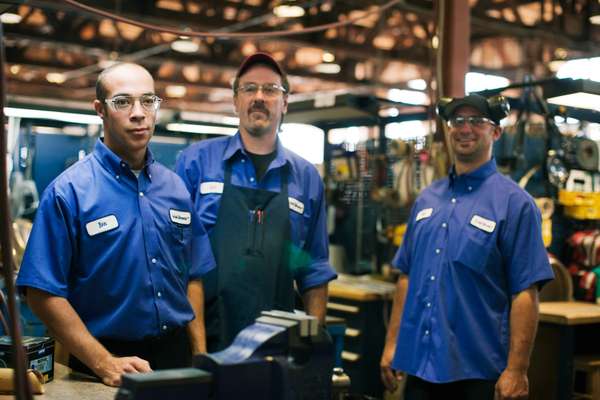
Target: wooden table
565, 329
72, 386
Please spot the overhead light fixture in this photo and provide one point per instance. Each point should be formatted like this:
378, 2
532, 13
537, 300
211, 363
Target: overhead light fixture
197, 116
327, 68
203, 129
10, 18
52, 115
185, 46
417, 84
408, 97
175, 91
578, 93
56, 77
288, 10
328, 57
595, 19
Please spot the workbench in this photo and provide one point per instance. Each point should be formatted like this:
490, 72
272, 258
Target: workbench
72, 386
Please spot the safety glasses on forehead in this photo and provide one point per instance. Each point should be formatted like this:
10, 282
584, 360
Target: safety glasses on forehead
475, 121
149, 102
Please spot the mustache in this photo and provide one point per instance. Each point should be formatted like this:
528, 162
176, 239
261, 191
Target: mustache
258, 106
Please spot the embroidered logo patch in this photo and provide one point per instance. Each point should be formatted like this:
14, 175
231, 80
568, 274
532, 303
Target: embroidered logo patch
296, 205
211, 187
425, 213
180, 217
484, 224
102, 225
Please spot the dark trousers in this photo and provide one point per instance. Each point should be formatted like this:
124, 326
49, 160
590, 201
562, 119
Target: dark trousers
469, 389
171, 350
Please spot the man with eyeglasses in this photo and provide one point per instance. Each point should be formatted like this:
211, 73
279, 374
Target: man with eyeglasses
116, 251
465, 310
264, 209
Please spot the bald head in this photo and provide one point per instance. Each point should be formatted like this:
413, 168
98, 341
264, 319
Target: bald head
129, 68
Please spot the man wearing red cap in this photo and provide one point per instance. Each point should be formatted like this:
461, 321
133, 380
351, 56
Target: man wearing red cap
264, 209
472, 261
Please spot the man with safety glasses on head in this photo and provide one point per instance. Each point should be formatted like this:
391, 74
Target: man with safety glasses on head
116, 251
263, 207
466, 306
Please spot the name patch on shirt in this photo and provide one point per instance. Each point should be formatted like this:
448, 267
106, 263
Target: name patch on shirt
484, 224
425, 213
180, 217
211, 187
296, 205
102, 225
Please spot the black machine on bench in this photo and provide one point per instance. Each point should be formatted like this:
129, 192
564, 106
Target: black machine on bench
283, 356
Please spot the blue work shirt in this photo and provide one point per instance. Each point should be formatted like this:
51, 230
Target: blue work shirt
117, 247
202, 168
473, 241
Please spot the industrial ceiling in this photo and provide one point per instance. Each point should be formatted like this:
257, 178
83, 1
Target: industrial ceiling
55, 52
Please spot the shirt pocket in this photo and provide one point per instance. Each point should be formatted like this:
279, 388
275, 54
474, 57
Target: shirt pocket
299, 228
473, 249
181, 249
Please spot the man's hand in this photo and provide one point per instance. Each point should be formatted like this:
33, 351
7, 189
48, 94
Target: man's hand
512, 385
389, 377
111, 368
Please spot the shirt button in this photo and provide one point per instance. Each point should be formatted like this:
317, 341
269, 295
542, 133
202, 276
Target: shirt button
437, 251
444, 225
432, 277
251, 179
428, 305
123, 164
427, 333
159, 294
149, 175
117, 176
470, 188
164, 327
141, 194
453, 200
243, 160
153, 261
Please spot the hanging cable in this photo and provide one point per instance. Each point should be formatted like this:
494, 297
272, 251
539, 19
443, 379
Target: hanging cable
22, 389
232, 35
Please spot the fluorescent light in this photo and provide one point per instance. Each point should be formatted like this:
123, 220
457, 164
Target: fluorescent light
327, 68
595, 19
328, 57
53, 115
208, 117
408, 96
577, 100
417, 84
204, 129
288, 11
175, 91
10, 18
185, 46
56, 77
477, 82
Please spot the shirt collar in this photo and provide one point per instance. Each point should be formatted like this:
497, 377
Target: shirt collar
114, 163
478, 175
235, 146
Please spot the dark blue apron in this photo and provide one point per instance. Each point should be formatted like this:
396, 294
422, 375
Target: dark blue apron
251, 243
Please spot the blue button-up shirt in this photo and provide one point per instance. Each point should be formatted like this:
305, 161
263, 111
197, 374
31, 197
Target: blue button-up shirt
202, 167
473, 241
120, 249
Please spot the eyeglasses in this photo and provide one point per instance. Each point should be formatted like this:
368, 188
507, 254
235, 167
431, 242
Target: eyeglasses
149, 102
475, 121
267, 89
